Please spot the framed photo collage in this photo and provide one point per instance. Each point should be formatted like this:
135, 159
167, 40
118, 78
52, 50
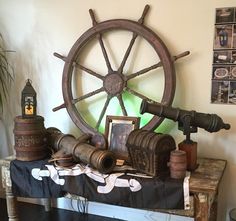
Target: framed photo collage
224, 57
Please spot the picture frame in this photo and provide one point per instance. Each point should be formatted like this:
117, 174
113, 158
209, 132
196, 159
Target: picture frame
223, 86
117, 130
225, 15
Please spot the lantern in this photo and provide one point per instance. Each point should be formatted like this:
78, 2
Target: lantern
28, 101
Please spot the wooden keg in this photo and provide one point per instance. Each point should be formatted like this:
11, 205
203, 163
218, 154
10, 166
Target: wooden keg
30, 138
178, 164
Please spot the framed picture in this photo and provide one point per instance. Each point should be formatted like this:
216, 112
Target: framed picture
223, 89
225, 15
117, 131
223, 36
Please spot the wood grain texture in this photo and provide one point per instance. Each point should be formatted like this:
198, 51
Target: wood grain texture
206, 178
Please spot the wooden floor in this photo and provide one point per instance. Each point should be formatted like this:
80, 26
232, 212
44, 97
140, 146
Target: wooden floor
34, 212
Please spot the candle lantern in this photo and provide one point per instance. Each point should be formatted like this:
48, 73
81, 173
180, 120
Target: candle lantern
28, 101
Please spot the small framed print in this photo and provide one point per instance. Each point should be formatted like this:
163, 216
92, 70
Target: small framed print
225, 15
232, 93
220, 92
223, 36
117, 131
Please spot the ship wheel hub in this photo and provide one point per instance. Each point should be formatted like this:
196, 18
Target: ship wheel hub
114, 83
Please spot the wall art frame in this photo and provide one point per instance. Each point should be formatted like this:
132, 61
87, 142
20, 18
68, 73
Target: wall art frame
117, 130
224, 57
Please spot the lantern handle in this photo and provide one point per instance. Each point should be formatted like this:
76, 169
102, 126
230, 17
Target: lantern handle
28, 81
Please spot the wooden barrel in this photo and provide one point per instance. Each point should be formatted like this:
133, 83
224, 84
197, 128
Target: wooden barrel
178, 164
30, 138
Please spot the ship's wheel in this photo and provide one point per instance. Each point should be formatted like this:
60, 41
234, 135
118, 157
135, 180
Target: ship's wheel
115, 82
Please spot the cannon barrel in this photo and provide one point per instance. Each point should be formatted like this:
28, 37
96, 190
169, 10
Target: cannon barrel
66, 144
209, 122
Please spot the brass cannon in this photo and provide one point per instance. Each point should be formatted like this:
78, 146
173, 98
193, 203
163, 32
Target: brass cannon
67, 146
188, 122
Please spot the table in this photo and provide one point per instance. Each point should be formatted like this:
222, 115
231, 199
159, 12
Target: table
204, 184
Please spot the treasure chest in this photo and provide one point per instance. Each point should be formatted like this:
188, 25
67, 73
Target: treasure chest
150, 152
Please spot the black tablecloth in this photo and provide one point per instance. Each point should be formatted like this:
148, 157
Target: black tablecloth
152, 193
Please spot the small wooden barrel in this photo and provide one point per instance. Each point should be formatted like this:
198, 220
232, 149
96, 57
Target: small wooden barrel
178, 164
30, 138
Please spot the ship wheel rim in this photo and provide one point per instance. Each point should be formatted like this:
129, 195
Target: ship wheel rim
118, 24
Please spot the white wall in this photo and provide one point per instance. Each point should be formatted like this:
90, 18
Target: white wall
36, 29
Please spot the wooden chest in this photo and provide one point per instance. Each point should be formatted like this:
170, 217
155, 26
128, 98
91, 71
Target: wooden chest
150, 152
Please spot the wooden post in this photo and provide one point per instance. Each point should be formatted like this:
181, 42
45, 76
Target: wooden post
47, 204
10, 198
201, 207
191, 153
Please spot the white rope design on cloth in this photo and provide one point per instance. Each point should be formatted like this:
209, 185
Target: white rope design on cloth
110, 180
186, 191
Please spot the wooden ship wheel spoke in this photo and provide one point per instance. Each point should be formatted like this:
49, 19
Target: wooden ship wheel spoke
103, 111
115, 82
122, 105
89, 71
92, 93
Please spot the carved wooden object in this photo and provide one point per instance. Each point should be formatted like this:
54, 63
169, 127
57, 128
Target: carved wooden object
115, 82
30, 138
